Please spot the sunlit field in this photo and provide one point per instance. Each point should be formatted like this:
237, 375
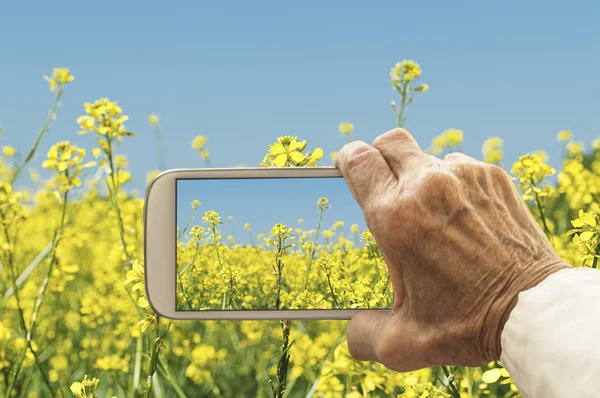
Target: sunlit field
74, 320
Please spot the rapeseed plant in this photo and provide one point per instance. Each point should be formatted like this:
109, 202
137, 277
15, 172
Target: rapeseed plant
72, 301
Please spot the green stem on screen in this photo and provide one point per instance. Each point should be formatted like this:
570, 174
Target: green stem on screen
284, 358
314, 248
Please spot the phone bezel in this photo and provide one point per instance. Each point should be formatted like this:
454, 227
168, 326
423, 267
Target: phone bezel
160, 242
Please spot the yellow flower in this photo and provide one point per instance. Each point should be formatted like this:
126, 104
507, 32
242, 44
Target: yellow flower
135, 277
9, 151
113, 362
492, 150
212, 217
313, 157
423, 88
346, 128
199, 142
105, 118
405, 71
454, 137
564, 135
584, 219
86, 388
448, 139
60, 77
531, 170
575, 148
153, 119
66, 161
283, 153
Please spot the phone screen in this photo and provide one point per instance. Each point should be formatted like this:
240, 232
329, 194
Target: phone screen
273, 244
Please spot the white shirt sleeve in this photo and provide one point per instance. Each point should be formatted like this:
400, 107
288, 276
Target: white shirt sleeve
551, 341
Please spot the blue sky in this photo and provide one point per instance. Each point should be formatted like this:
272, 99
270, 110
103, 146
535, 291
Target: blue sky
243, 73
284, 200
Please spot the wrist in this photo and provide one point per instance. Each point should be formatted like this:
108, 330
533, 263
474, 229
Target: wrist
502, 308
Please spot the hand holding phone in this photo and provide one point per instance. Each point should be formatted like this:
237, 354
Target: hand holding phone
460, 244
457, 239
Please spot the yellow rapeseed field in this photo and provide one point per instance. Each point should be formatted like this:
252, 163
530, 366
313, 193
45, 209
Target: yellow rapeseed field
74, 320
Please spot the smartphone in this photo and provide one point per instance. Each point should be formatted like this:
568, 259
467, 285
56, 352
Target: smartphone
259, 243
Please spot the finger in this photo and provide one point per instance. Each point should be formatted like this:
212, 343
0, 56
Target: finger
364, 334
400, 150
365, 170
396, 343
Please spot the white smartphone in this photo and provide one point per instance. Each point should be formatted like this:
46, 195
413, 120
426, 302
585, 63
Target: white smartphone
259, 243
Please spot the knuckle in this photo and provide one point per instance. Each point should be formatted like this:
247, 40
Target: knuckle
437, 180
465, 170
354, 154
397, 134
453, 156
498, 174
443, 193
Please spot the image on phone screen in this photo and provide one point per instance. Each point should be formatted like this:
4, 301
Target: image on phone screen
274, 244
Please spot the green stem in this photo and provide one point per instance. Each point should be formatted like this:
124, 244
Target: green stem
314, 248
113, 191
41, 133
284, 361
164, 369
154, 356
400, 122
337, 304
542, 216
138, 362
595, 262
18, 366
42, 291
188, 224
451, 382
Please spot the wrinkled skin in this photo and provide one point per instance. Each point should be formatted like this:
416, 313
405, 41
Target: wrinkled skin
460, 245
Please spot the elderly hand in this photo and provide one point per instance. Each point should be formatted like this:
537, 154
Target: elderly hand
460, 245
